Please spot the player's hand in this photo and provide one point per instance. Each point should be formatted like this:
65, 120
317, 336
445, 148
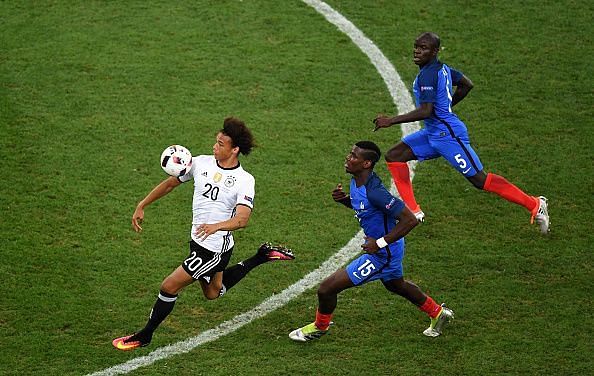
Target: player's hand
204, 230
382, 121
137, 219
338, 194
370, 246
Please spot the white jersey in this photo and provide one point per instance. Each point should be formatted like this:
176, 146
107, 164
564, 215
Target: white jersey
217, 191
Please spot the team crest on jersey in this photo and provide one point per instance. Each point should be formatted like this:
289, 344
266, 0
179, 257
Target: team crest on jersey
229, 181
217, 178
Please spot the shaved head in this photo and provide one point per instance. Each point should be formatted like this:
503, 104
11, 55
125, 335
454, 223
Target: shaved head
432, 38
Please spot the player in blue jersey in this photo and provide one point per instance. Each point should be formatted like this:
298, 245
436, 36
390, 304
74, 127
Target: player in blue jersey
445, 135
385, 220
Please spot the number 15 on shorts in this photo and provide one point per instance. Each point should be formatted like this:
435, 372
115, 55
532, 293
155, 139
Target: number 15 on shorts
365, 269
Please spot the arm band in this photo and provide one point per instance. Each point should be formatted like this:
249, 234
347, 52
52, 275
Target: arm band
381, 243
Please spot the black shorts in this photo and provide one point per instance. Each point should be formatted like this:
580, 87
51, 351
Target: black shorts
202, 262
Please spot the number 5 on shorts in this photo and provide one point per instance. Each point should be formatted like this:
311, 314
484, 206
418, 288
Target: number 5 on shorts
461, 161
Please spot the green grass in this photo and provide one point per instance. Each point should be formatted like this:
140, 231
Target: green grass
91, 92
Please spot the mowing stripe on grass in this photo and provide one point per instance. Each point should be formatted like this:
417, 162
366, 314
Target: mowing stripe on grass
403, 102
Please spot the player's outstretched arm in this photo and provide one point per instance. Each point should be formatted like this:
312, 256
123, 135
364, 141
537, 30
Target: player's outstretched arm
462, 89
420, 113
159, 191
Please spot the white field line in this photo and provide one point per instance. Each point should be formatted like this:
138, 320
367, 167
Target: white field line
403, 102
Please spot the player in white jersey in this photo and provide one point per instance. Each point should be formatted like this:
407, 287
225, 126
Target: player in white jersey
217, 193
223, 202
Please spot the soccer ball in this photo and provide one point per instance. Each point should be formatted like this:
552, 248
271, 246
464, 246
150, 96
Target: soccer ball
176, 160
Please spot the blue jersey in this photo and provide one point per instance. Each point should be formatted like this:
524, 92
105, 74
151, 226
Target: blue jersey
434, 84
375, 208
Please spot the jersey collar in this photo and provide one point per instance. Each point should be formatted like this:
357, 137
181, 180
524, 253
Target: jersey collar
432, 62
228, 168
369, 177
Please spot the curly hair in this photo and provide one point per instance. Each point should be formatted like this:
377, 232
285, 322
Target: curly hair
240, 134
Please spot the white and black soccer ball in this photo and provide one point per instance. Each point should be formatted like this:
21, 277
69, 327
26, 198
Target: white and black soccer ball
176, 160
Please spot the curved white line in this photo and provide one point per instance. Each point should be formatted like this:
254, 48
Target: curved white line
403, 102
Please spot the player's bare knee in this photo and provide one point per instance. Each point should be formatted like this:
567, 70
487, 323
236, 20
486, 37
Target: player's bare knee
212, 291
169, 286
391, 156
212, 295
401, 152
397, 286
325, 291
322, 293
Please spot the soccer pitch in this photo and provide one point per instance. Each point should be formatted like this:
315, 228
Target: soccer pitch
91, 93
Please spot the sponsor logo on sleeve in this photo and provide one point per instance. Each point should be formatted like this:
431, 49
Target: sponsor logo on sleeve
391, 203
249, 199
